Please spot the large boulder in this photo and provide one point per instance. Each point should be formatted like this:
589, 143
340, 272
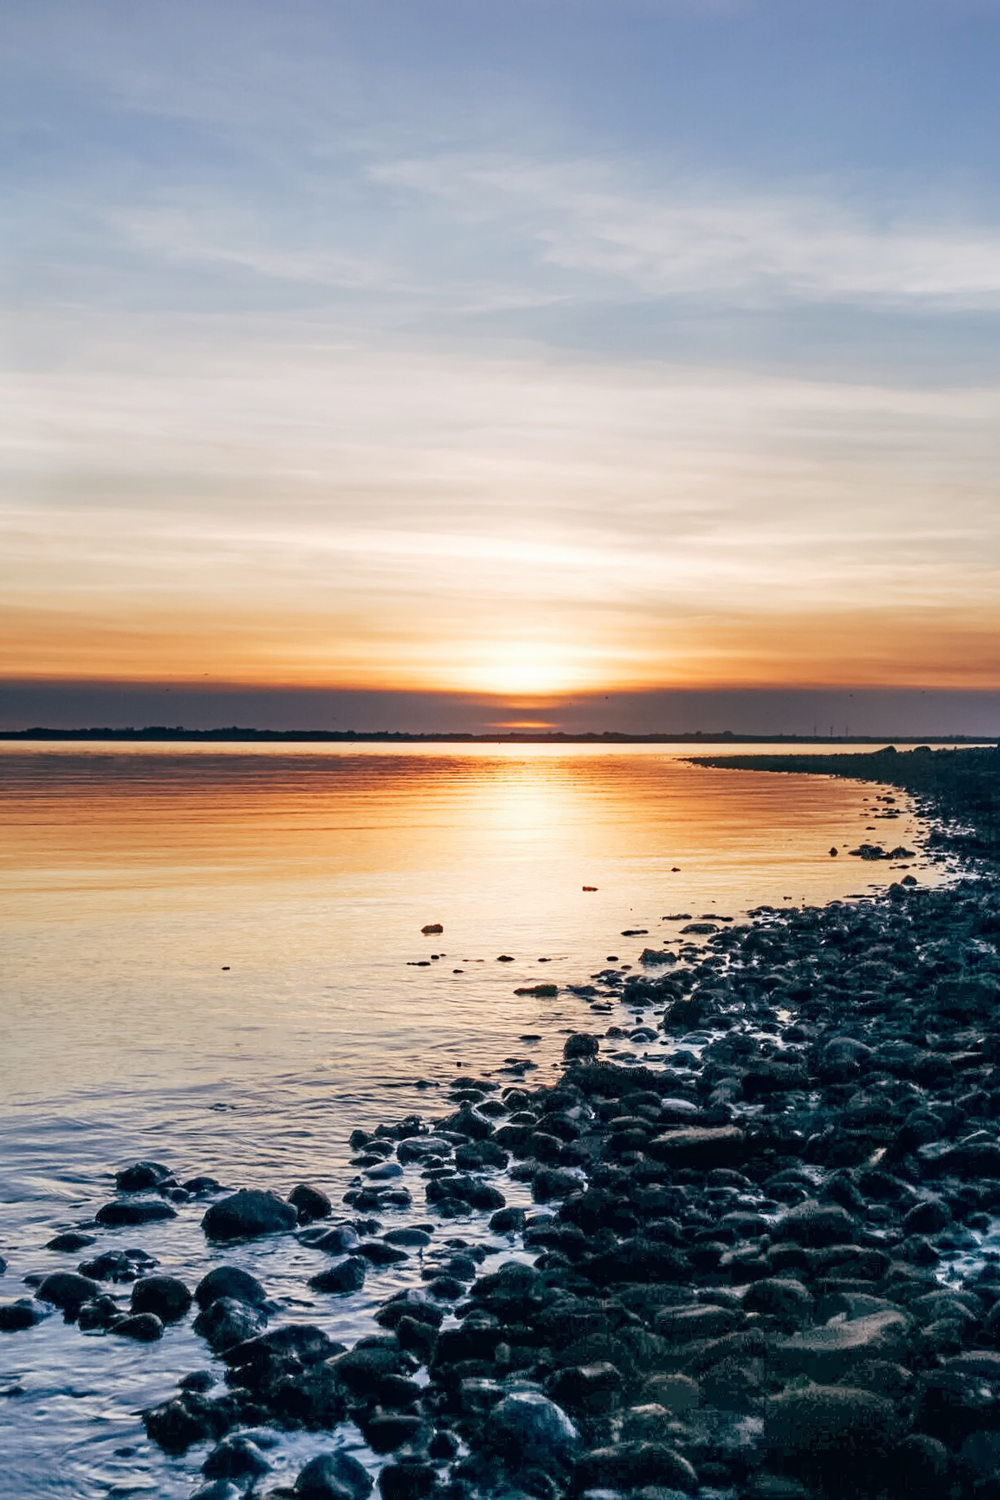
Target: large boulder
333, 1476
827, 1353
701, 1147
248, 1214
636, 1466
837, 1438
816, 1225
526, 1429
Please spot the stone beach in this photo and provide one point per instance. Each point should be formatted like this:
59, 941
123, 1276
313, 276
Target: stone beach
755, 1269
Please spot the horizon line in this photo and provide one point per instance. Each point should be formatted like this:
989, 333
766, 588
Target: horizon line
236, 734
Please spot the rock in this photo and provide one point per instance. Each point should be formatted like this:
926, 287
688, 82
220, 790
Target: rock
142, 1176
413, 1239
781, 1297
836, 1437
763, 1079
247, 1215
339, 1240
582, 1044
550, 1183
67, 1291
478, 1155
16, 1316
676, 1393
508, 1221
201, 1186
165, 1296
634, 1466
469, 1122
347, 1275
927, 1217
827, 1354
70, 1241
378, 1253
409, 1481
99, 1313
119, 1215
232, 1282
527, 1429
190, 1418
116, 1265
637, 1261
218, 1489
700, 1147
144, 1327
816, 1225
333, 1476
419, 1147
226, 1322
587, 1388
310, 1203
682, 1325
388, 1431
235, 1458
920, 1468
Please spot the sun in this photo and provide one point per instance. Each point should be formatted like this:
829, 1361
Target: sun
526, 671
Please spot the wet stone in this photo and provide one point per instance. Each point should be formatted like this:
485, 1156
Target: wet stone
235, 1457
23, 1313
310, 1203
248, 1214
225, 1322
99, 1314
67, 1291
165, 1296
70, 1241
117, 1265
232, 1282
333, 1476
142, 1176
347, 1275
144, 1327
123, 1214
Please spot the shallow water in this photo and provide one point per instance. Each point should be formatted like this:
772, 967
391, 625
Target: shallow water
212, 956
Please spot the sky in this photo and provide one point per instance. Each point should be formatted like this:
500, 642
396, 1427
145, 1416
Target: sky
474, 362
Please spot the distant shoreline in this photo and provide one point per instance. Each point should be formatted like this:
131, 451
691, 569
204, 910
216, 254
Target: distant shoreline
165, 734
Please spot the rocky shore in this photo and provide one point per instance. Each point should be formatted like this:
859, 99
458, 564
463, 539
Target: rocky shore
761, 1269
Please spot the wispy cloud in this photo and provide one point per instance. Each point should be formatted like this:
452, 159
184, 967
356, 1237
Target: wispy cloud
687, 236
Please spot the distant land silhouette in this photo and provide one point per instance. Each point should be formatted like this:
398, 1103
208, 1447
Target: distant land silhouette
236, 735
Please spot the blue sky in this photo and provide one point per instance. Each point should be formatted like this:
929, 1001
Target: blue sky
522, 348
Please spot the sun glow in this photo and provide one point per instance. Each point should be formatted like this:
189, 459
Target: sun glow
526, 672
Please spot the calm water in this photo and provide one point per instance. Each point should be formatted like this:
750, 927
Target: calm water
213, 956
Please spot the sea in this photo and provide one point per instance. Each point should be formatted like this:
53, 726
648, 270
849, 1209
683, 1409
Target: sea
227, 957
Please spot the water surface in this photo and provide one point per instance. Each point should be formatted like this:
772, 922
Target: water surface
213, 956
